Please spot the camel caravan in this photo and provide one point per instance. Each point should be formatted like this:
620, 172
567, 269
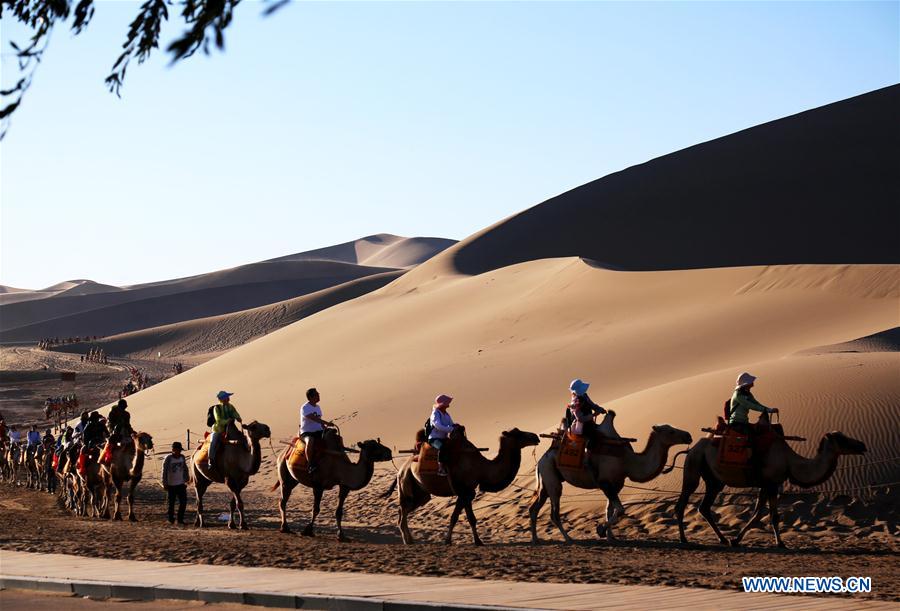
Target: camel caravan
101, 460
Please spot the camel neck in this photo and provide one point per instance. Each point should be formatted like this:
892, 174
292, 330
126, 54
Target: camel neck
808, 472
646, 465
255, 457
360, 473
499, 472
138, 465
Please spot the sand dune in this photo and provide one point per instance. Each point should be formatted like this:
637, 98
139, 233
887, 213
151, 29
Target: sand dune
381, 250
85, 307
204, 336
502, 323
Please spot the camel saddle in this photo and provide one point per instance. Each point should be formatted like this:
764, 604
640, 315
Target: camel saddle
570, 449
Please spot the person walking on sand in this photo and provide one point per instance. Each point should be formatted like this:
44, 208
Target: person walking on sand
223, 414
312, 428
175, 477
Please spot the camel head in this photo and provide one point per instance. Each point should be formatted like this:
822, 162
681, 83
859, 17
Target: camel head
670, 436
373, 450
145, 441
522, 439
258, 430
842, 444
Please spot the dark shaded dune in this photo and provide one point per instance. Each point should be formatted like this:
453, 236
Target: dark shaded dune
821, 186
883, 341
217, 333
42, 318
187, 305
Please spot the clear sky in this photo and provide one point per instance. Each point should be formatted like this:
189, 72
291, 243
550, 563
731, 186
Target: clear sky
331, 121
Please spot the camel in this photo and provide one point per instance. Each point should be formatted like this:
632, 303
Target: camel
334, 469
234, 466
126, 467
607, 472
65, 473
32, 461
779, 464
468, 471
13, 457
93, 486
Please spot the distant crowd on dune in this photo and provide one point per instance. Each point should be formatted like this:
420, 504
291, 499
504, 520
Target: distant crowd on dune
49, 342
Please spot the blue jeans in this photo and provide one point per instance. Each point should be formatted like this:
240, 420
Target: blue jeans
438, 444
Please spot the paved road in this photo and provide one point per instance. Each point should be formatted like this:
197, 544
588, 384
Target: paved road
22, 600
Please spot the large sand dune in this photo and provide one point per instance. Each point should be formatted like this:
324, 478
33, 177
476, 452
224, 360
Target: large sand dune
202, 338
82, 307
502, 321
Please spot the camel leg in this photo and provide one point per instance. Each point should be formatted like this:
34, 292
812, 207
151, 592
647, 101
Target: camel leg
713, 488
774, 517
614, 510
339, 514
287, 486
200, 486
240, 509
540, 497
117, 511
457, 509
470, 515
689, 482
754, 521
555, 516
232, 505
317, 505
132, 485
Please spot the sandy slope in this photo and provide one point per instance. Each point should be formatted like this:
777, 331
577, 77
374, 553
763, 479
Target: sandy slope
81, 307
202, 337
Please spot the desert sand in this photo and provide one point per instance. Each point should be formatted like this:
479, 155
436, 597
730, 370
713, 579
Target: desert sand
772, 250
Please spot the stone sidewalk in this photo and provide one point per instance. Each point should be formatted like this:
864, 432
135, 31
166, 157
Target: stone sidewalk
298, 589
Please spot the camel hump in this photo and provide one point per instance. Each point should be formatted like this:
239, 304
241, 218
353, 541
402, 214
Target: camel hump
333, 441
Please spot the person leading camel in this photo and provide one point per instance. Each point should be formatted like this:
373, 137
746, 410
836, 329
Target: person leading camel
224, 414
742, 401
174, 478
312, 428
441, 427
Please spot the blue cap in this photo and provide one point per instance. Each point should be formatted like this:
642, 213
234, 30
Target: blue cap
578, 386
223, 395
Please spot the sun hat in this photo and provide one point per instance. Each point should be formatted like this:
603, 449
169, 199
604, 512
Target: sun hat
745, 379
223, 395
442, 400
578, 386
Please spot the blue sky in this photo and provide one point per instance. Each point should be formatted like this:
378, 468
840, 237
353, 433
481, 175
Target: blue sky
331, 121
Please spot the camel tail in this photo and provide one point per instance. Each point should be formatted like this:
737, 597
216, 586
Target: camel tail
674, 458
275, 487
390, 489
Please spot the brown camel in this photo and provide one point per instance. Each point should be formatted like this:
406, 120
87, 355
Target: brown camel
779, 464
606, 472
65, 472
127, 467
31, 462
468, 470
93, 486
235, 463
334, 469
13, 456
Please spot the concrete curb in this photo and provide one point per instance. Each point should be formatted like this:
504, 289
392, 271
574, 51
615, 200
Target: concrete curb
276, 600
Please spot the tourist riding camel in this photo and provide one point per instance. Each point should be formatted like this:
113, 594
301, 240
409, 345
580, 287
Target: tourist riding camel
235, 462
312, 427
92, 485
610, 462
119, 422
581, 413
467, 471
224, 414
335, 469
126, 467
742, 402
763, 459
438, 429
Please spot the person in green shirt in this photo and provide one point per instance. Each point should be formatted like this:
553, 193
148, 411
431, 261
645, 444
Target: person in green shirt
742, 401
223, 413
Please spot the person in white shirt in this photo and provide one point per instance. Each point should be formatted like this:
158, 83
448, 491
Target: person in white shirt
175, 477
312, 427
441, 427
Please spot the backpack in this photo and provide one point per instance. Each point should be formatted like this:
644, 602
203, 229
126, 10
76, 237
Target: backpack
727, 410
428, 428
210, 417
